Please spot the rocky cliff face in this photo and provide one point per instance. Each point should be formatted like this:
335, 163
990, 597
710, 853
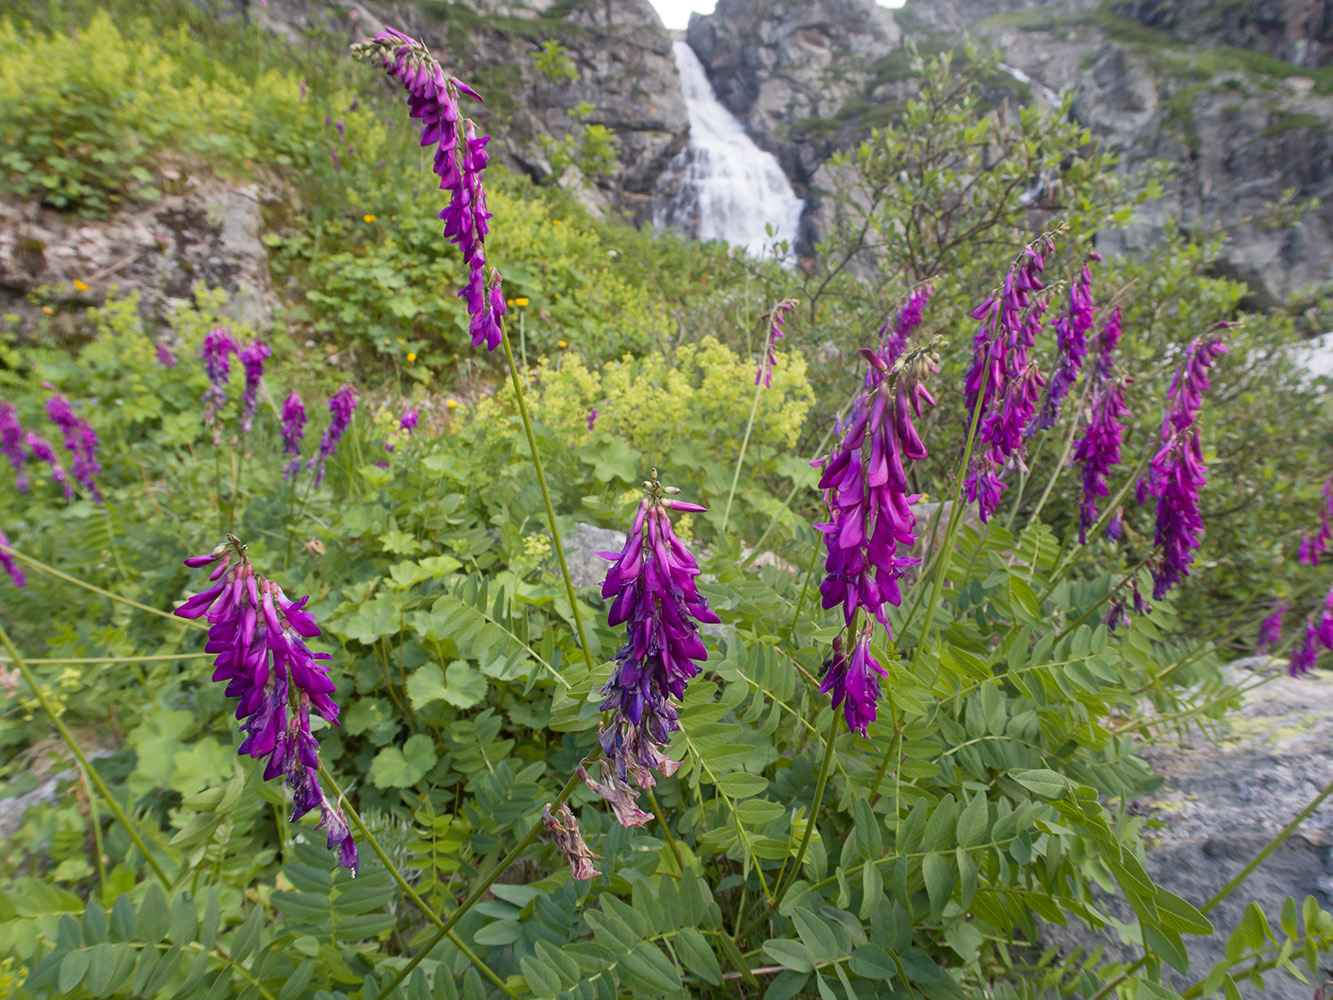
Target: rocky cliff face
623, 69
1195, 84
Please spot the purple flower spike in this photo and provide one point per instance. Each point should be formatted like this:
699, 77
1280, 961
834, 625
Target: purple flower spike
341, 405
1098, 450
1270, 629
80, 442
854, 683
895, 331
293, 430
12, 446
40, 451
1071, 331
9, 564
652, 590
1176, 473
257, 635
777, 317
216, 350
1314, 546
166, 357
460, 159
564, 830
409, 421
1304, 656
252, 360
591, 418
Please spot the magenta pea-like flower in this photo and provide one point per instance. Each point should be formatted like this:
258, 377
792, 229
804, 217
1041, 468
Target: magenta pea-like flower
166, 357
1071, 332
1270, 629
9, 564
651, 587
80, 442
39, 450
777, 317
1313, 546
12, 446
258, 635
216, 351
460, 160
899, 327
341, 405
252, 361
1098, 449
293, 430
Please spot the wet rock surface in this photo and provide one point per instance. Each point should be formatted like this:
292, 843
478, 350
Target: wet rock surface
1221, 803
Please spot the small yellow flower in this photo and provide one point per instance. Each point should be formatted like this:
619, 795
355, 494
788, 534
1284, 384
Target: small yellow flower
79, 286
555, 222
561, 343
48, 310
452, 404
520, 302
411, 357
402, 341
368, 218
386, 341
509, 302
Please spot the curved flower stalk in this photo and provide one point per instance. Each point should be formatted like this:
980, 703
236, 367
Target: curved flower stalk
252, 360
1177, 473
216, 350
1002, 381
293, 430
563, 827
652, 591
8, 564
1098, 450
1314, 546
460, 159
871, 525
895, 331
776, 318
12, 446
1270, 629
259, 635
80, 442
1071, 332
341, 405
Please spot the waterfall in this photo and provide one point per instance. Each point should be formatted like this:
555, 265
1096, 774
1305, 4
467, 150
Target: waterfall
727, 187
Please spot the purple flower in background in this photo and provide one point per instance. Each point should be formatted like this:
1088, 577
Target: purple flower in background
1314, 546
409, 421
293, 430
652, 591
776, 318
1177, 473
258, 635
563, 828
341, 405
591, 418
1098, 450
460, 159
303, 90
40, 451
252, 360
216, 350
1270, 629
11, 444
342, 129
80, 441
1071, 330
895, 331
1304, 656
166, 357
8, 563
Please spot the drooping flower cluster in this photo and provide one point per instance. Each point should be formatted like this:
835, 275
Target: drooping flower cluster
1177, 473
895, 331
341, 405
1002, 381
80, 442
1071, 332
777, 317
252, 360
1270, 629
216, 350
652, 591
460, 159
1314, 546
871, 526
293, 430
1320, 636
166, 357
39, 450
563, 828
9, 564
12, 446
1098, 449
258, 635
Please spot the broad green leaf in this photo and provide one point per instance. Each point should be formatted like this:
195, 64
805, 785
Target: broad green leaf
395, 768
872, 962
1042, 781
792, 954
698, 957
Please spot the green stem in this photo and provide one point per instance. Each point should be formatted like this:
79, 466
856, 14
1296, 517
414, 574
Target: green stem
666, 830
411, 893
546, 498
123, 659
805, 587
30, 561
1273, 845
740, 458
814, 813
79, 756
504, 865
1059, 466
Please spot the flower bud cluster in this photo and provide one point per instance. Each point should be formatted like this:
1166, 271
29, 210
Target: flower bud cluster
258, 635
1314, 546
216, 350
252, 360
895, 331
776, 318
1098, 449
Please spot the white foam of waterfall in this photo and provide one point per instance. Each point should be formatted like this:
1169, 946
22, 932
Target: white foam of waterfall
728, 188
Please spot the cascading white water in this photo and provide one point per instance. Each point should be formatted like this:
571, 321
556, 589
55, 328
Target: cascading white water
728, 188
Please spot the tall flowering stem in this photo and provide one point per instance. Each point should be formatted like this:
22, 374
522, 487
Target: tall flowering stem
12, 446
293, 430
460, 159
80, 442
216, 351
1098, 449
252, 361
652, 592
1071, 333
258, 635
1176, 473
763, 379
341, 406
